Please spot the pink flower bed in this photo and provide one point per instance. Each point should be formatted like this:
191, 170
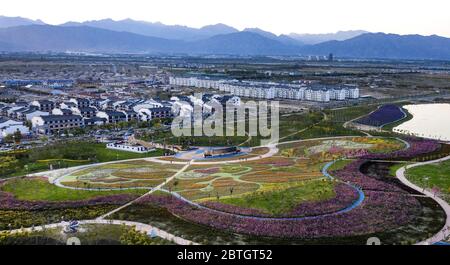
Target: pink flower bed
417, 147
213, 170
379, 212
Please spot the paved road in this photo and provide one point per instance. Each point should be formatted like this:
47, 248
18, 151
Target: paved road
139, 227
445, 231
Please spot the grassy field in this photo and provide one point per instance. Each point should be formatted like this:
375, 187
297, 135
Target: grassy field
137, 173
42, 190
432, 176
283, 199
62, 155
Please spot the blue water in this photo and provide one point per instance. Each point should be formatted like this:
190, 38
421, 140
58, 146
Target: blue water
441, 244
200, 151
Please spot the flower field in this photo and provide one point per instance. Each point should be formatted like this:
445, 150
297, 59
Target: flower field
299, 208
224, 181
384, 115
327, 150
139, 173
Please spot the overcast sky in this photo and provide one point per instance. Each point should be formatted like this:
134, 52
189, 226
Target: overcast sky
279, 16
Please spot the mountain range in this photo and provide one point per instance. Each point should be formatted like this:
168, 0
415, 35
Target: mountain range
7, 22
130, 36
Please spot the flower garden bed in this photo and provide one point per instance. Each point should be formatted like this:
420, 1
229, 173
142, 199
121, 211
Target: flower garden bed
382, 116
379, 212
345, 196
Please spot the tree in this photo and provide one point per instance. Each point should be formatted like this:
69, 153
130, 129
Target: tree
17, 136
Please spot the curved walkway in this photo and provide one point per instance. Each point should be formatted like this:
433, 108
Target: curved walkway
139, 227
445, 231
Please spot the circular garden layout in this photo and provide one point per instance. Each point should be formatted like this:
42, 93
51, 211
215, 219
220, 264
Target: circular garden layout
313, 191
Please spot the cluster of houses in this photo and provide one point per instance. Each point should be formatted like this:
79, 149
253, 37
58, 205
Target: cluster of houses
49, 83
304, 90
50, 117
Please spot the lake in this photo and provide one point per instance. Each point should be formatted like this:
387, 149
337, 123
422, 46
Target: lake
429, 121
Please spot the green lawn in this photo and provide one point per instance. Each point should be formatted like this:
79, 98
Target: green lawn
41, 190
393, 169
279, 201
67, 154
429, 176
105, 155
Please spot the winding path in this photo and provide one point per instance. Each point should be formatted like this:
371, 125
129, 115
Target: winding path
445, 231
139, 227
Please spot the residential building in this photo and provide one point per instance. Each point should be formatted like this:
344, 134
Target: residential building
44, 105
56, 123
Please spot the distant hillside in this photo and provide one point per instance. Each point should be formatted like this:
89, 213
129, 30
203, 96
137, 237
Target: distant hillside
54, 38
158, 30
285, 39
242, 43
7, 22
42, 38
319, 38
390, 46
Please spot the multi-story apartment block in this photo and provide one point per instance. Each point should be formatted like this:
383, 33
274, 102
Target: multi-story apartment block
44, 105
56, 123
81, 102
112, 116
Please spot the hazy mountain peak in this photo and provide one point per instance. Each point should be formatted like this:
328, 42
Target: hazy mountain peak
319, 38
7, 22
261, 32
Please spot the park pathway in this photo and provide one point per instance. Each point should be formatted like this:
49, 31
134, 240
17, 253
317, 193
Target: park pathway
445, 231
146, 194
148, 229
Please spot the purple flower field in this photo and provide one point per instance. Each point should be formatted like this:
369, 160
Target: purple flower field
417, 147
379, 212
382, 116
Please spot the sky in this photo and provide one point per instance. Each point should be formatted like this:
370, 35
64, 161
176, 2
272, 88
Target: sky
278, 16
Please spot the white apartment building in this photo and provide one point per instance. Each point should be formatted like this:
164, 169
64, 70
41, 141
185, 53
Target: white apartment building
56, 123
123, 146
267, 90
319, 95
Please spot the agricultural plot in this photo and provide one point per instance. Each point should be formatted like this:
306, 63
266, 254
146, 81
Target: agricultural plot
132, 174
